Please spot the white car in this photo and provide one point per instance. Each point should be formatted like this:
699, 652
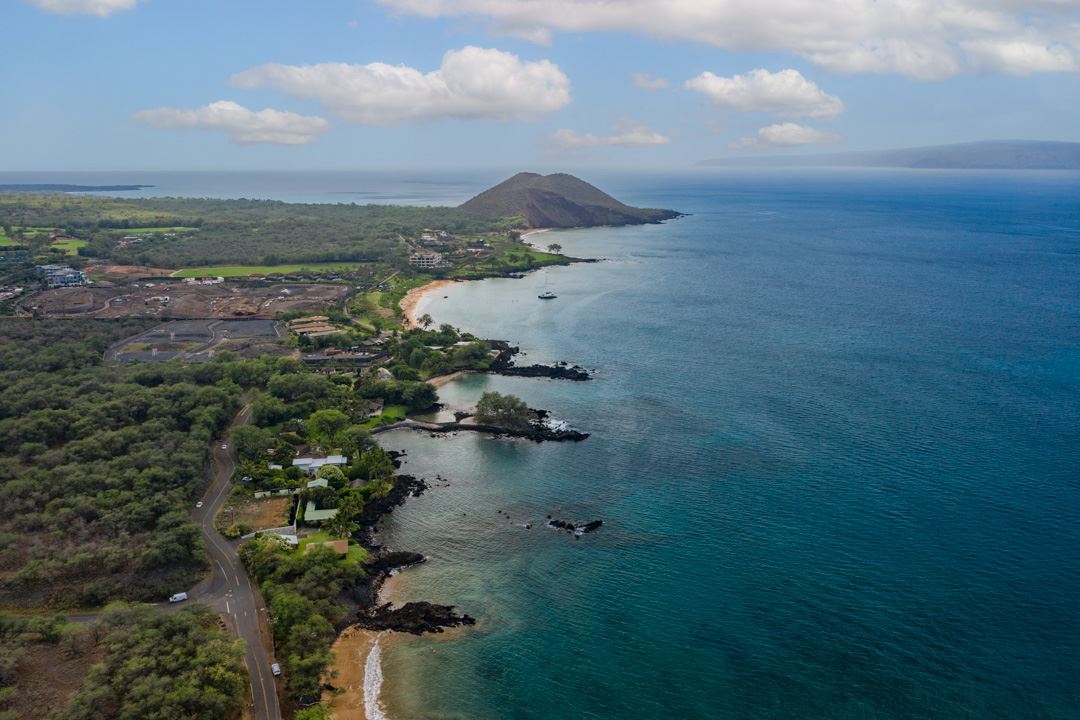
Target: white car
198, 504
276, 669
224, 447
178, 597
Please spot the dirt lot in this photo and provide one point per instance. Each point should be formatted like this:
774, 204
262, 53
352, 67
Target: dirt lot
127, 272
174, 299
259, 514
47, 677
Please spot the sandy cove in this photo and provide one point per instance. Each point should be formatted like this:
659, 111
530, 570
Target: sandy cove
410, 303
351, 651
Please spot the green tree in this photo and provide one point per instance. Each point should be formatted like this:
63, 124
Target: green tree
425, 321
252, 442
324, 426
333, 475
555, 248
355, 439
507, 411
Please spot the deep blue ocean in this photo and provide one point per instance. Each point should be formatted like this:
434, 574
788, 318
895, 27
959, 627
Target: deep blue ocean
835, 444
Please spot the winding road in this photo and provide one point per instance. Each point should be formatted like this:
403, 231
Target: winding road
229, 591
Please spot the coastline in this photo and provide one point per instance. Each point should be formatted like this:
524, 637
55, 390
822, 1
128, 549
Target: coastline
410, 304
357, 673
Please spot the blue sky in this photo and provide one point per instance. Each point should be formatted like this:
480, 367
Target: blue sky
121, 84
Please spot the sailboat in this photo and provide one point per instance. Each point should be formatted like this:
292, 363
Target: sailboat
547, 294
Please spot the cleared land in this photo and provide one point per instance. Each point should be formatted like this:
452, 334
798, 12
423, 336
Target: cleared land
196, 340
178, 300
245, 270
264, 514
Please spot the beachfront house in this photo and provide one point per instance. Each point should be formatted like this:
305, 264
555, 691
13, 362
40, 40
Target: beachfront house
311, 465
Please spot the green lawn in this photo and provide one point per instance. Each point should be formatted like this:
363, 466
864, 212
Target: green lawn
390, 414
243, 270
356, 554
71, 247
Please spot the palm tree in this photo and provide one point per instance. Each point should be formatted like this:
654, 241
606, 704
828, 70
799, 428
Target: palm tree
425, 321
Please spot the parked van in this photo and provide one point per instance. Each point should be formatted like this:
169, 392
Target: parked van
178, 597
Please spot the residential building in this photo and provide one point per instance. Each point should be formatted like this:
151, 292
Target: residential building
311, 465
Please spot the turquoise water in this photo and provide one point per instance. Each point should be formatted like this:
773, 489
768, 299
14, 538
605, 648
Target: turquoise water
836, 433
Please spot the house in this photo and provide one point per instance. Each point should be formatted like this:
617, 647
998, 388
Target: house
384, 375
311, 465
318, 483
315, 516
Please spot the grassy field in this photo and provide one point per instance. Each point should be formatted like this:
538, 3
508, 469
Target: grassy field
244, 270
71, 247
390, 414
356, 554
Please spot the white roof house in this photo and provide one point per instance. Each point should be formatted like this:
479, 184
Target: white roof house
312, 465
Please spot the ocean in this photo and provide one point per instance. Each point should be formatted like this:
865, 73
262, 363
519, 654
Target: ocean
835, 445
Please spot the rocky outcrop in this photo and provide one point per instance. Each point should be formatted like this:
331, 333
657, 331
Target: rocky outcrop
577, 530
503, 364
415, 617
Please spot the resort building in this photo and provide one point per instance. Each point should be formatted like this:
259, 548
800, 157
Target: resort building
425, 260
62, 276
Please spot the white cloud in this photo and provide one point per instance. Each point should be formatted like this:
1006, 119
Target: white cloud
784, 135
101, 8
918, 38
648, 82
472, 83
627, 134
243, 126
1021, 57
786, 93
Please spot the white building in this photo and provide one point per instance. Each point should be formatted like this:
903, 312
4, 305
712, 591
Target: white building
312, 465
425, 260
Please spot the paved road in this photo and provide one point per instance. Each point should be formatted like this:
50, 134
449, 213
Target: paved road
228, 589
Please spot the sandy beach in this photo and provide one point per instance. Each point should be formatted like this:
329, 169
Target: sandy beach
352, 655
410, 304
526, 234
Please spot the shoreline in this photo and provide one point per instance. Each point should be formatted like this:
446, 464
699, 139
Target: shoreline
410, 304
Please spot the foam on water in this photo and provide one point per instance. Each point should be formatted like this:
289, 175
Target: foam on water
373, 679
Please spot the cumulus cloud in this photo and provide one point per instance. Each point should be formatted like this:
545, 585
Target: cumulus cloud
784, 135
648, 82
1022, 57
101, 8
472, 83
627, 134
243, 126
786, 93
918, 38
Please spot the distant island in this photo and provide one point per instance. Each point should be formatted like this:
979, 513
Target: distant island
60, 187
559, 201
987, 155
